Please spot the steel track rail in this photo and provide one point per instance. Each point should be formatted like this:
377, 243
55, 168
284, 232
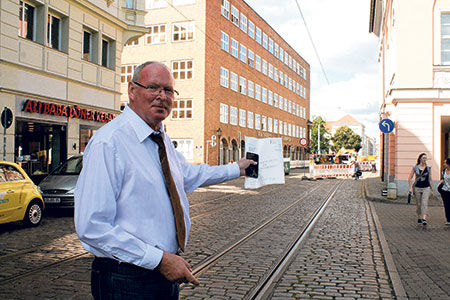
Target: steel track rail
265, 286
205, 264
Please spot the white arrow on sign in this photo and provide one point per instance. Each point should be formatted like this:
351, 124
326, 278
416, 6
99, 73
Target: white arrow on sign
213, 144
386, 124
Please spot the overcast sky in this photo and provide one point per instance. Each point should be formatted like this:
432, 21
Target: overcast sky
340, 32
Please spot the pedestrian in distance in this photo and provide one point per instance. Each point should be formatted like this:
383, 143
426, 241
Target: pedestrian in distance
131, 208
357, 171
444, 189
421, 187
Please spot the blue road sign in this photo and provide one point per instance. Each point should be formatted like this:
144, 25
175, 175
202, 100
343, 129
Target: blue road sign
386, 126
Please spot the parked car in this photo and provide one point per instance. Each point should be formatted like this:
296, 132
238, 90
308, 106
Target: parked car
20, 198
58, 187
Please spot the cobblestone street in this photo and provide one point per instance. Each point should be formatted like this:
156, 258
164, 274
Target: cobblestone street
341, 258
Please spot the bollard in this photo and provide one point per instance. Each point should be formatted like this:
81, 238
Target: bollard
392, 191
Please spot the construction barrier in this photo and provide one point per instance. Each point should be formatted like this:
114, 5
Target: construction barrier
332, 170
366, 165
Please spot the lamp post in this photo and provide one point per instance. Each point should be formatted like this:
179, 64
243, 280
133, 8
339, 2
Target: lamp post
219, 143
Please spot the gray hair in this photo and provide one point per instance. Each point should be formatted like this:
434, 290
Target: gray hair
139, 69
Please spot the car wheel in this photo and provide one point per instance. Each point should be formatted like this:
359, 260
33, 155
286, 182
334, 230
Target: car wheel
33, 214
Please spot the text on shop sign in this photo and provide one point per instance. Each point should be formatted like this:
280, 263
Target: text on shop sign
46, 108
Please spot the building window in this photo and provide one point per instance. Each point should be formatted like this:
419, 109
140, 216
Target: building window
264, 95
264, 123
234, 48
54, 32
275, 74
285, 104
281, 77
275, 99
223, 113
270, 71
182, 109
280, 102
156, 34
107, 51
249, 119
280, 127
152, 4
270, 45
242, 119
234, 15
445, 38
233, 81
223, 77
270, 98
265, 41
185, 147
183, 31
233, 115
257, 92
126, 73
250, 89
90, 46
27, 19
242, 85
258, 35
269, 124
257, 122
286, 81
243, 53
243, 23
264, 67
275, 126
258, 63
251, 29
275, 51
251, 58
225, 11
224, 41
183, 69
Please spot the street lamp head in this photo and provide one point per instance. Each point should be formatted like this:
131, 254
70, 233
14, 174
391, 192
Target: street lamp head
219, 132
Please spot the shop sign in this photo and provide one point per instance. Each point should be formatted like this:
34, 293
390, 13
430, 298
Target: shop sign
55, 109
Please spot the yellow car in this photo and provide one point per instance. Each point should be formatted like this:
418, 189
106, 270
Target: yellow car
20, 199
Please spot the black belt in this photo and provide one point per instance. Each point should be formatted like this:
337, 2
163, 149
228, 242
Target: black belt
112, 265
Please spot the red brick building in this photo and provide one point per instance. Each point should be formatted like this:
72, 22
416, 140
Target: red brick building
236, 77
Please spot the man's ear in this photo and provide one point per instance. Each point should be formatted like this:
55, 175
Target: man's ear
131, 90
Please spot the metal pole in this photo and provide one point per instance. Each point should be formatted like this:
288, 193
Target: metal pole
4, 134
318, 139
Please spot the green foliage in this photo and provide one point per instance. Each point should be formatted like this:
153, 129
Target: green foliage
318, 122
347, 139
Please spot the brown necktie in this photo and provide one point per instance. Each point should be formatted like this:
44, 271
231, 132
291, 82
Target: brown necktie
172, 189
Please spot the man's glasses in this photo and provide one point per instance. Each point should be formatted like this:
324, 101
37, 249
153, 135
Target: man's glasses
156, 89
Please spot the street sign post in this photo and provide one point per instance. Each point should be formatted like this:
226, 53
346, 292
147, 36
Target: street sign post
386, 126
6, 118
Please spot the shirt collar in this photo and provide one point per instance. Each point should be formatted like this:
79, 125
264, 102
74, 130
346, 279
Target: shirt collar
142, 129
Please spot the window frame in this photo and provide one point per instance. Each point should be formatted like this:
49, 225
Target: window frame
187, 31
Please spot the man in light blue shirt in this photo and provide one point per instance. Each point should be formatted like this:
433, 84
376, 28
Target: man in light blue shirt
123, 213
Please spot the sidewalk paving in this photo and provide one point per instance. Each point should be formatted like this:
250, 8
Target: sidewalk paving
417, 256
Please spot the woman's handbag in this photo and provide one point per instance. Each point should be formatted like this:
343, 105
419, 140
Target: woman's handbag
409, 197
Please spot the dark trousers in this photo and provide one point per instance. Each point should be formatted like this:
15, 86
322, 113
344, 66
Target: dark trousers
446, 198
111, 280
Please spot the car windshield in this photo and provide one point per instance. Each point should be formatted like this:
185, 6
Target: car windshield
70, 167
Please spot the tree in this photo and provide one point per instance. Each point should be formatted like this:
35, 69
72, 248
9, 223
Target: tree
318, 122
347, 139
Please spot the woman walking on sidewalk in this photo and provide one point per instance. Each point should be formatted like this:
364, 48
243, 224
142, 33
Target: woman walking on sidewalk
421, 187
444, 189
